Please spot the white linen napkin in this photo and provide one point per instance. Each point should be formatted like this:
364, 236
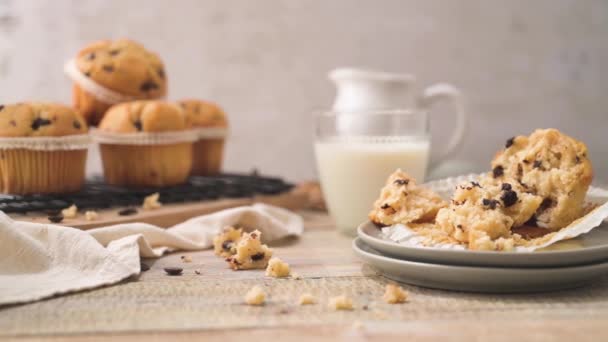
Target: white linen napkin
41, 260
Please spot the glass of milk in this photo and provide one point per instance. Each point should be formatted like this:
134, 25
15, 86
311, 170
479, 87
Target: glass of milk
356, 152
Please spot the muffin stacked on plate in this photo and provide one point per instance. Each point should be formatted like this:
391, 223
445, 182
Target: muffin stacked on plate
539, 181
43, 148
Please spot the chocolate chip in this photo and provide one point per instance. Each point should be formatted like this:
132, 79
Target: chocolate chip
498, 171
385, 206
490, 203
577, 159
56, 218
148, 86
197, 272
77, 124
91, 56
257, 256
531, 222
526, 161
537, 164
114, 52
39, 122
138, 125
506, 186
509, 198
227, 245
401, 181
108, 68
87, 74
1, 107
127, 212
254, 235
509, 142
161, 73
144, 267
459, 226
475, 184
544, 205
174, 271
13, 123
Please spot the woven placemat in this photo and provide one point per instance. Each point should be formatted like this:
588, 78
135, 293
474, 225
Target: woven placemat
200, 304
214, 299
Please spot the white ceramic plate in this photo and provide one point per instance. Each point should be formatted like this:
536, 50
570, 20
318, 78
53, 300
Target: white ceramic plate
480, 279
585, 249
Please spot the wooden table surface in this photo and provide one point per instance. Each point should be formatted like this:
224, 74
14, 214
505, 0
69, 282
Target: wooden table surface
209, 306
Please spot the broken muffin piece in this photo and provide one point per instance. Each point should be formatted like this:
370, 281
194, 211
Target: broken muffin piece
403, 201
482, 212
552, 165
250, 253
341, 303
224, 244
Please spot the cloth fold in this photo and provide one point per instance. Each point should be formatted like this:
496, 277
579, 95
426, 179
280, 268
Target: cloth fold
41, 260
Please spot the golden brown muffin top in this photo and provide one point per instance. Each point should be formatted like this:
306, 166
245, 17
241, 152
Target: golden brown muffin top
124, 66
203, 114
144, 116
37, 119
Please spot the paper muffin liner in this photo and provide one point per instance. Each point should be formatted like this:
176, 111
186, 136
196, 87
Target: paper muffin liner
145, 138
207, 157
211, 133
62, 143
405, 235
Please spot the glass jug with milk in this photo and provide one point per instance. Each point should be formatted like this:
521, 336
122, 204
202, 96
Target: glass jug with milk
375, 127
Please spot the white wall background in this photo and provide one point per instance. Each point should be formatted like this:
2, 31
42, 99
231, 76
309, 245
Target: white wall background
523, 64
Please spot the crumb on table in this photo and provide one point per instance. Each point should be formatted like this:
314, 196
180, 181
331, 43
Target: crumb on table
91, 215
255, 296
70, 212
151, 202
341, 303
277, 268
306, 299
394, 294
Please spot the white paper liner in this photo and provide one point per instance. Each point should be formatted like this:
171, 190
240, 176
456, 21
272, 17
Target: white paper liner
145, 138
100, 92
211, 132
402, 234
63, 143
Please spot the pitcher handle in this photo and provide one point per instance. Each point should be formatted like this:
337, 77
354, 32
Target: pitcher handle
438, 92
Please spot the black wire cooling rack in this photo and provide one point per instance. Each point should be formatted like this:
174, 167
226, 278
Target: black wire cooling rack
95, 194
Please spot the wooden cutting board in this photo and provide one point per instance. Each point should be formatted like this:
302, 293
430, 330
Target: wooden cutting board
171, 214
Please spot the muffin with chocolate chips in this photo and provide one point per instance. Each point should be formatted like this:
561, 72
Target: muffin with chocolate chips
552, 165
208, 151
43, 148
122, 66
145, 143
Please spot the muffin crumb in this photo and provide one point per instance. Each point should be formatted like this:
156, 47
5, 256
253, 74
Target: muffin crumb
341, 303
277, 268
306, 299
255, 296
186, 258
90, 215
151, 202
70, 212
395, 294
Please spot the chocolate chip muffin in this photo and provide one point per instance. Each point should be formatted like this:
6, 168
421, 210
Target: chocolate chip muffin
43, 148
208, 151
552, 165
122, 66
402, 201
141, 144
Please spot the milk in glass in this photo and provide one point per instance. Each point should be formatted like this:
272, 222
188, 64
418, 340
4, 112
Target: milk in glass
352, 172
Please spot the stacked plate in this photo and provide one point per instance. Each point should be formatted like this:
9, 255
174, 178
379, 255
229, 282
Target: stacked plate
575, 263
